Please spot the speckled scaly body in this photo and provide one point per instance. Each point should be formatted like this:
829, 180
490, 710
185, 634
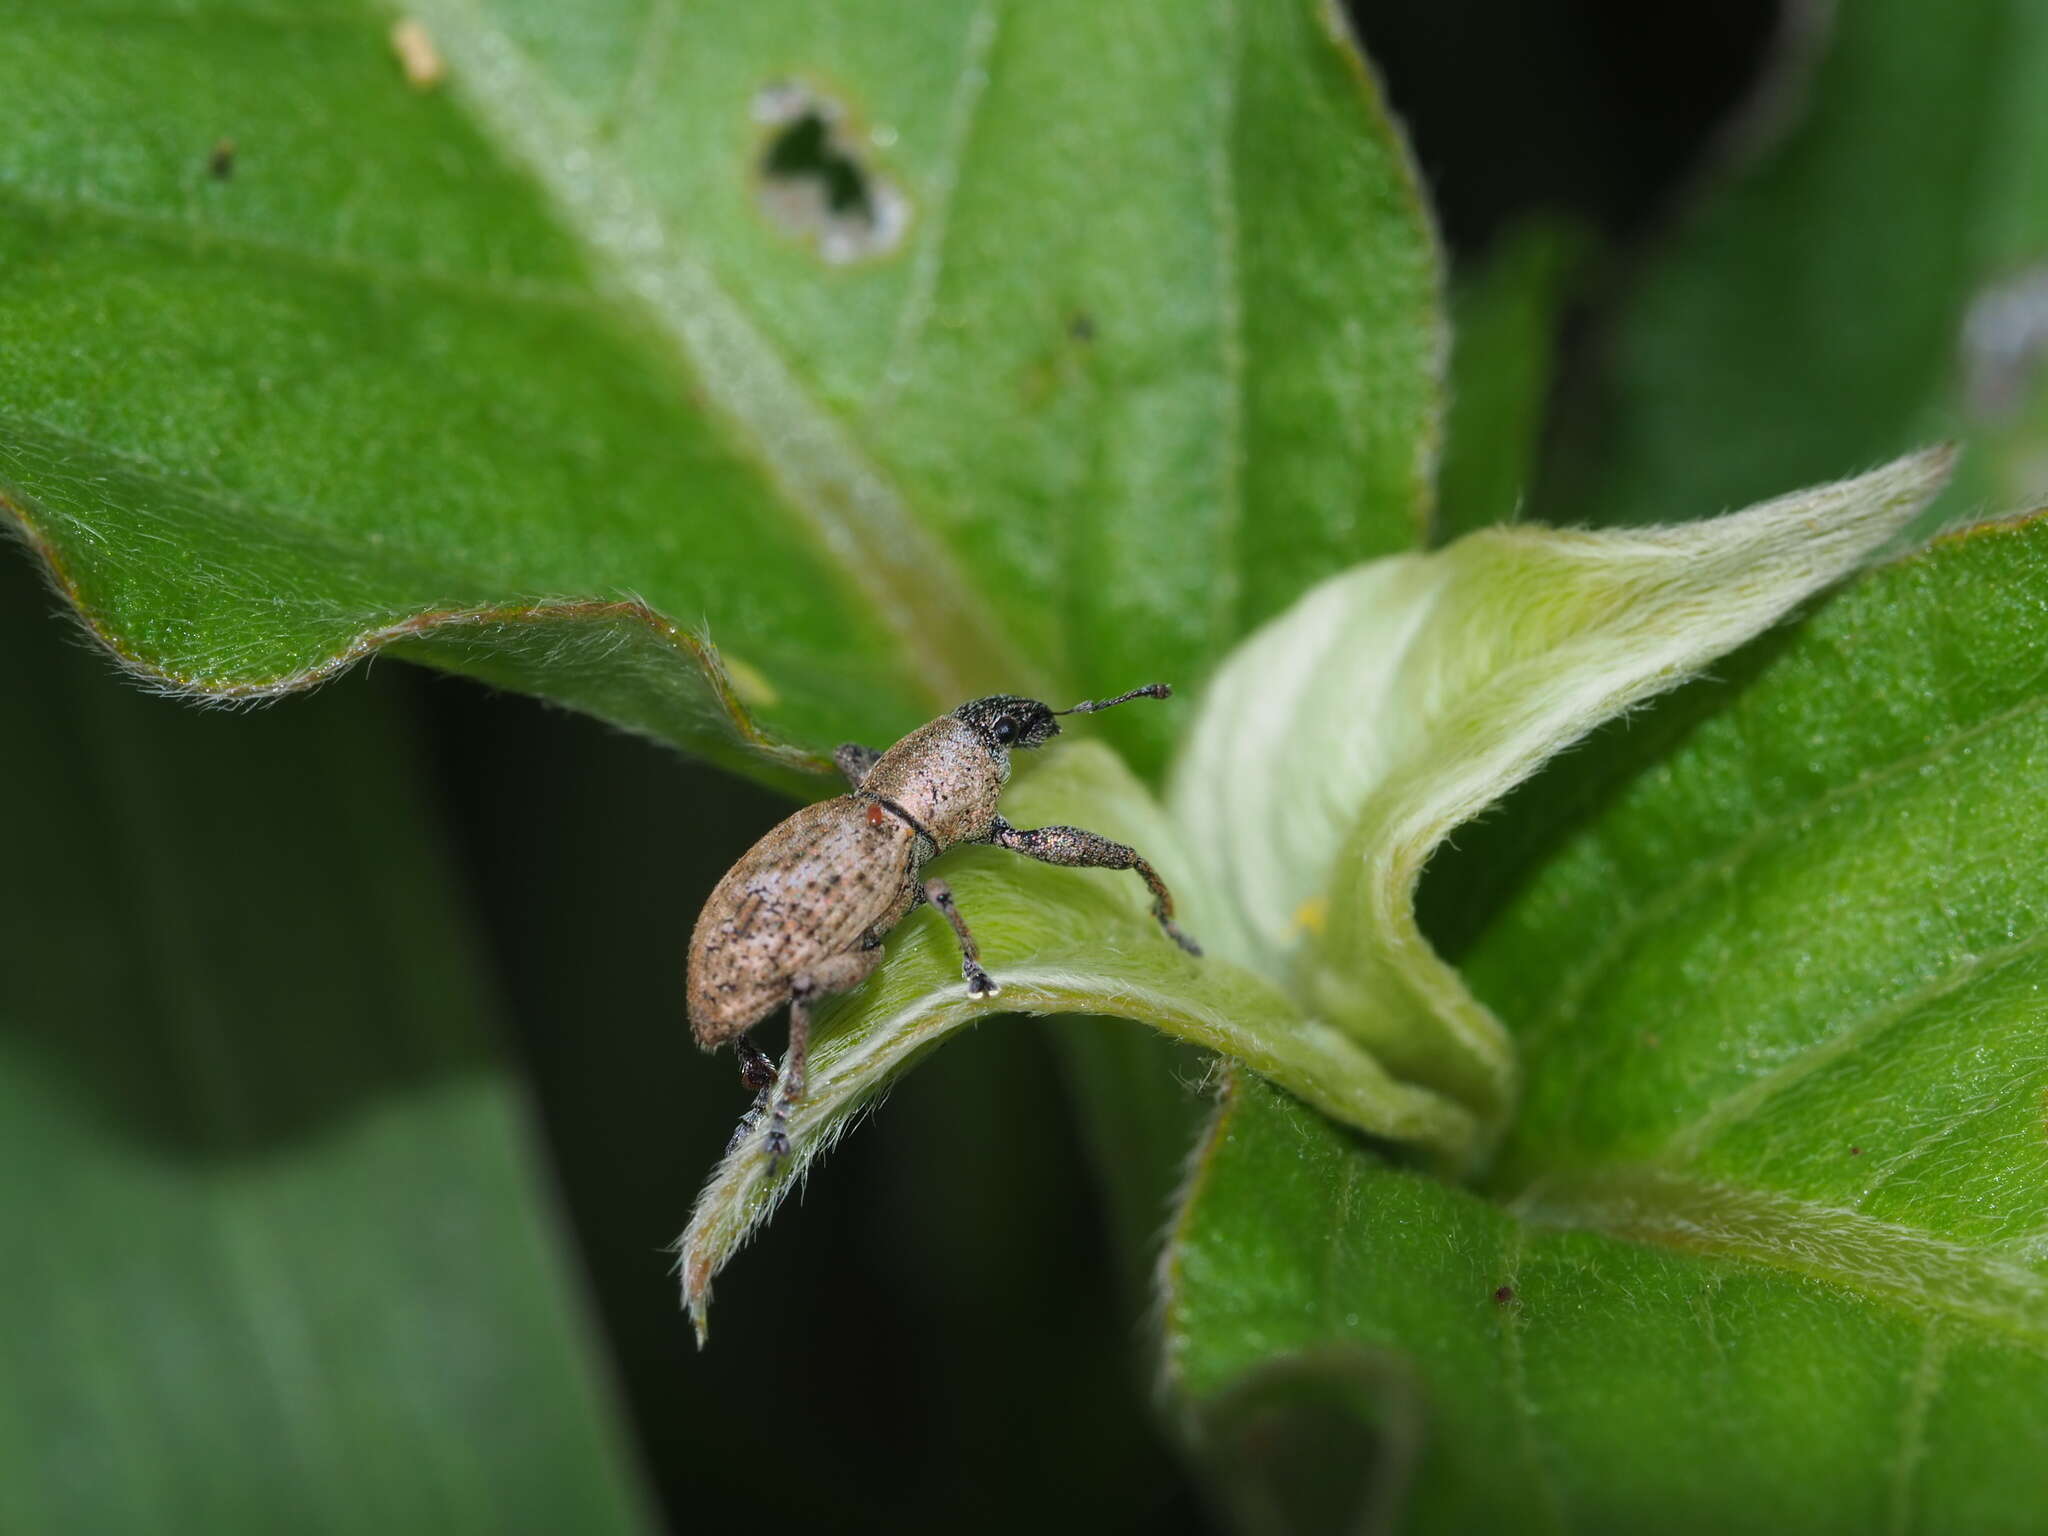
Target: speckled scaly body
814, 888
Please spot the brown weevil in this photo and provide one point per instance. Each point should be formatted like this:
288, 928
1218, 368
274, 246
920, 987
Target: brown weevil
804, 913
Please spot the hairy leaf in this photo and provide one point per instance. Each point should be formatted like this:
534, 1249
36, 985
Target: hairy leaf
1344, 741
1868, 272
1768, 1233
279, 1253
910, 353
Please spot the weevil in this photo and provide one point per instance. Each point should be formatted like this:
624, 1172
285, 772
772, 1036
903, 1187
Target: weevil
803, 914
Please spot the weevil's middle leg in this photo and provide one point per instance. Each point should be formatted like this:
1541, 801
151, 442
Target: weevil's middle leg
1078, 848
854, 761
841, 973
979, 982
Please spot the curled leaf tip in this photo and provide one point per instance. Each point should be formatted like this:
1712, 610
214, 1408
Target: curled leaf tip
618, 656
1339, 746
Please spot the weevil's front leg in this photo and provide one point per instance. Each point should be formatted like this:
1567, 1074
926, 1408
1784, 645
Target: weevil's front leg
979, 982
855, 760
841, 973
1082, 849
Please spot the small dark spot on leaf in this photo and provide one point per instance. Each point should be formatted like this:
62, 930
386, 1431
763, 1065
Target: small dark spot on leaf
815, 182
1503, 1295
1855, 1151
1081, 326
220, 163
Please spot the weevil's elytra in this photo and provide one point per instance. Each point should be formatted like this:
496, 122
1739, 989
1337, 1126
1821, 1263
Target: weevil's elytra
804, 913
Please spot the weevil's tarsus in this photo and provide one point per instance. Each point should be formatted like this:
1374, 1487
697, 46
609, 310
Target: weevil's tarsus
979, 982
757, 1071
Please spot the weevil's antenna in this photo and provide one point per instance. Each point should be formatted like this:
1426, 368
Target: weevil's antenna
1090, 706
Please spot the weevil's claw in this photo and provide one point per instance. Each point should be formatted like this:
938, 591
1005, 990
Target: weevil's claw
778, 1149
981, 984
743, 1130
1173, 932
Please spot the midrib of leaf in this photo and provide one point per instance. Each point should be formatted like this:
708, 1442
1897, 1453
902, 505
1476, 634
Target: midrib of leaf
1878, 1260
1564, 1003
947, 636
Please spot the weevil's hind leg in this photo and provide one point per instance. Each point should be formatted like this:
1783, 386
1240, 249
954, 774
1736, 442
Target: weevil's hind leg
1080, 849
757, 1071
979, 982
854, 760
841, 973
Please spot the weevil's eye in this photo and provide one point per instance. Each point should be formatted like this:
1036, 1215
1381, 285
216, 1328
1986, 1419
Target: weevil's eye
1005, 729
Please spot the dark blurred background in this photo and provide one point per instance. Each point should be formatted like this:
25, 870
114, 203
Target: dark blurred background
956, 1298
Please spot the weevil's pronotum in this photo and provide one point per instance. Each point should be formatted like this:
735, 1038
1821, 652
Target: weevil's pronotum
804, 913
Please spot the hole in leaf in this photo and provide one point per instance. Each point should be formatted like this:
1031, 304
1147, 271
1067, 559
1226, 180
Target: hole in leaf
816, 184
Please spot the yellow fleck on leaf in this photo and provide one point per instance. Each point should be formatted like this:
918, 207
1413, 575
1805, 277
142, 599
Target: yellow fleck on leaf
417, 56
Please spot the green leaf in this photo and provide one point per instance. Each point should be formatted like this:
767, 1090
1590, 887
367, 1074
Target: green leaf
1343, 742
1057, 941
1336, 750
1140, 338
1868, 276
280, 1249
1768, 1234
1507, 312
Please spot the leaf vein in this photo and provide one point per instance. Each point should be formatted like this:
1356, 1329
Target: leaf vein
1570, 995
970, 87
1880, 1261
1688, 1140
199, 239
945, 633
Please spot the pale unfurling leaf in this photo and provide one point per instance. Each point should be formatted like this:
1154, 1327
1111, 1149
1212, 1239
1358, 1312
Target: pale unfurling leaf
1341, 744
